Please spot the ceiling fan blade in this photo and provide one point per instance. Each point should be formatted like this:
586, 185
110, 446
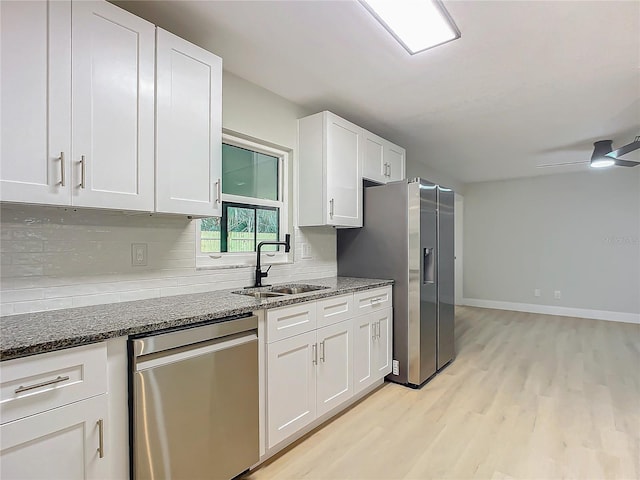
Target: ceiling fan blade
564, 164
635, 145
626, 163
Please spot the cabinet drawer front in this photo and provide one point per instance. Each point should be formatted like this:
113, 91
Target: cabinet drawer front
286, 322
372, 300
333, 310
42, 382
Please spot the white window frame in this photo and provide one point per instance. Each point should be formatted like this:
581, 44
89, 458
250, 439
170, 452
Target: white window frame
206, 260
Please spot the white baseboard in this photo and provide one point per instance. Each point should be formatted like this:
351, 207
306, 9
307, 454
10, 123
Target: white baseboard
553, 310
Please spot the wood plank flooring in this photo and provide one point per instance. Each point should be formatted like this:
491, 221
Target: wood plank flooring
527, 397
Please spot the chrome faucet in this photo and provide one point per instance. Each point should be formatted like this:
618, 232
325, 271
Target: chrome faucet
259, 273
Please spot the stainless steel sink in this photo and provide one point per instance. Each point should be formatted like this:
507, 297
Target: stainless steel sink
279, 290
263, 294
294, 289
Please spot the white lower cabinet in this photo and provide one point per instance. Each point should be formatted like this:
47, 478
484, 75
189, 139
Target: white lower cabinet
63, 443
308, 375
335, 366
291, 380
54, 410
372, 348
336, 356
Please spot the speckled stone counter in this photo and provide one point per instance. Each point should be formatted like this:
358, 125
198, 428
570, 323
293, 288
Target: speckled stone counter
33, 333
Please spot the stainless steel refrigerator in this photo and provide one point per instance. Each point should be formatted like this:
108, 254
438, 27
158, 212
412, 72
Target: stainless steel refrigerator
408, 236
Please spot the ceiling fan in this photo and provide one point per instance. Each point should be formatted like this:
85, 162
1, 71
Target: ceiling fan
605, 156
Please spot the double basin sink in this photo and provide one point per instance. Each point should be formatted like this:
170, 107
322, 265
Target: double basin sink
279, 290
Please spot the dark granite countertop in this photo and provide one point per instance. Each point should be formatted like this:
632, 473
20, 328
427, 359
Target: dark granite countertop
33, 333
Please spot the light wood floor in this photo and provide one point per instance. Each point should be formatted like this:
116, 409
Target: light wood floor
528, 396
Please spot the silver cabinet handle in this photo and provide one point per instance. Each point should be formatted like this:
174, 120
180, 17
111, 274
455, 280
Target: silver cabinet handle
219, 190
314, 354
389, 167
83, 171
386, 169
101, 438
322, 351
373, 329
62, 179
376, 301
378, 329
331, 203
58, 379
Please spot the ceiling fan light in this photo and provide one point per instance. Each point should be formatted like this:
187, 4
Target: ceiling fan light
602, 162
600, 150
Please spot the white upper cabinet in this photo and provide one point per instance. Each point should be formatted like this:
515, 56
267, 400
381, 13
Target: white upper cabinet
113, 107
383, 161
330, 172
189, 128
35, 102
394, 162
373, 165
78, 111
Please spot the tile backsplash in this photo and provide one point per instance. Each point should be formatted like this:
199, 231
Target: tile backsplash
58, 257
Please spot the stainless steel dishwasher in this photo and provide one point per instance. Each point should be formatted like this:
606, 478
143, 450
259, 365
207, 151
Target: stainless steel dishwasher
194, 402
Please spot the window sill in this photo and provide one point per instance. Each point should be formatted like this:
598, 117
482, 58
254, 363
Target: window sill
225, 262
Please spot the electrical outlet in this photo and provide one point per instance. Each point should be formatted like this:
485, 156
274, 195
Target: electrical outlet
139, 254
306, 250
396, 367
536, 292
557, 294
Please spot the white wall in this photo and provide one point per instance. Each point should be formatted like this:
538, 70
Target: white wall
58, 258
577, 233
458, 235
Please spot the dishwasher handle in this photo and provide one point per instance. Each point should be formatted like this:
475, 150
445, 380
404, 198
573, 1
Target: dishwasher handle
187, 336
153, 361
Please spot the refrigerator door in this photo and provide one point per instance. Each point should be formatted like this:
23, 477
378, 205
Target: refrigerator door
446, 268
422, 199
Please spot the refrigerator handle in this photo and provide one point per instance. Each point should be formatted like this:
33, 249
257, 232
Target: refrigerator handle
428, 266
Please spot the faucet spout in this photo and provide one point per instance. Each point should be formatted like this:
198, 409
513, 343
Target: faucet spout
259, 273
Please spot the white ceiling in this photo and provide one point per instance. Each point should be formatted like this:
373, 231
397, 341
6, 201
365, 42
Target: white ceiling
528, 83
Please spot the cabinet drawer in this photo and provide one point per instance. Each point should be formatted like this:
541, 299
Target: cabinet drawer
286, 322
372, 300
42, 382
333, 310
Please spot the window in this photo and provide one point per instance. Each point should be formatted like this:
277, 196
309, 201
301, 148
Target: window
254, 206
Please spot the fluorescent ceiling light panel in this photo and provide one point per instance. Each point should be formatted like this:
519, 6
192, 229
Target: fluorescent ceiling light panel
416, 24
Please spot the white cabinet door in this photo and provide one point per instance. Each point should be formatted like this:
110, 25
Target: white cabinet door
113, 107
394, 162
381, 351
62, 443
373, 163
35, 91
372, 349
189, 128
343, 175
335, 366
291, 385
363, 333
